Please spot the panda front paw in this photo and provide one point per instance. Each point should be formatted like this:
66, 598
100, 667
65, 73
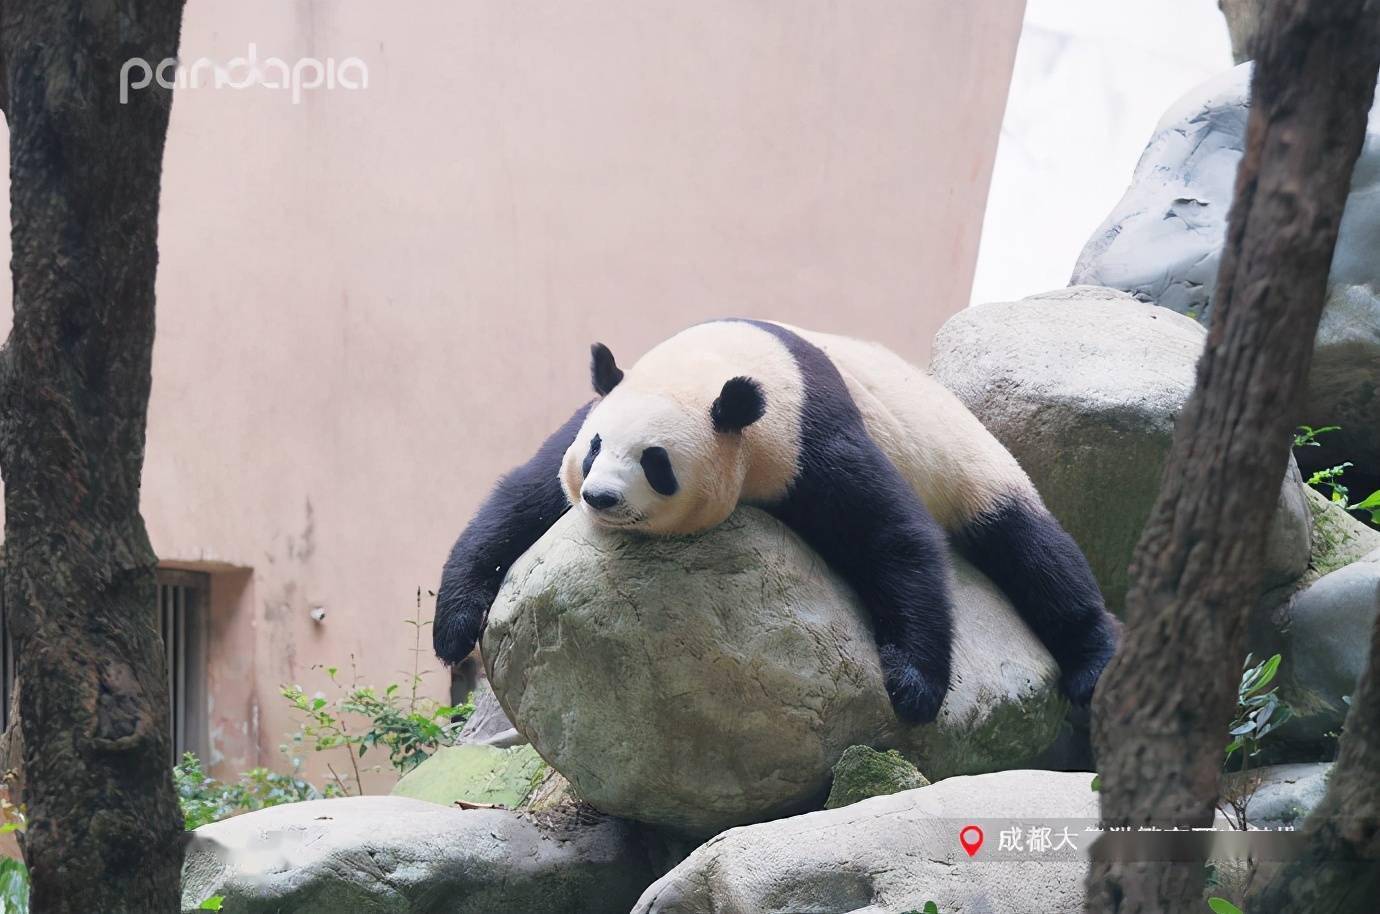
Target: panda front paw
460, 617
915, 697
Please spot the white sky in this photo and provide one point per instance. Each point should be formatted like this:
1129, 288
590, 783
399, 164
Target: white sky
1092, 78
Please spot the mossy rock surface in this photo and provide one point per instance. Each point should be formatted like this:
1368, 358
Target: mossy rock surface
475, 774
863, 772
1338, 538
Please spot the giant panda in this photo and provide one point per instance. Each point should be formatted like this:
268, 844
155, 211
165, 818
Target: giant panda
869, 460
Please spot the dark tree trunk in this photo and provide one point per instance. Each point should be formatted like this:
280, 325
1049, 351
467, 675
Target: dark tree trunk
1161, 712
104, 829
1340, 872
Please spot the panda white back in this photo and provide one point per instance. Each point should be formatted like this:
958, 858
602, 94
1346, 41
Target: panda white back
949, 459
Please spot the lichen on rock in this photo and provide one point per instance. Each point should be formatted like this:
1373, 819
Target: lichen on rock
863, 772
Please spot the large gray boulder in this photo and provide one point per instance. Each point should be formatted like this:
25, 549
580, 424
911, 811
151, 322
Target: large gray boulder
393, 855
1162, 242
1286, 794
1084, 385
1323, 635
708, 681
895, 853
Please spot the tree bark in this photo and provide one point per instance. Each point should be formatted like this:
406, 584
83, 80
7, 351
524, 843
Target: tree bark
1162, 710
104, 832
1340, 871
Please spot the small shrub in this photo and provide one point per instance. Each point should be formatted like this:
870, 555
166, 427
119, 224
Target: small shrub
405, 724
14, 886
205, 799
1329, 479
1259, 712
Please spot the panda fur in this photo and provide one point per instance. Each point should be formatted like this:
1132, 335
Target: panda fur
868, 459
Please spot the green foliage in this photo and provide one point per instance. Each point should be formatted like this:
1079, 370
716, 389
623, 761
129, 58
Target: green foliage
1329, 479
1096, 783
205, 799
214, 903
1307, 435
1259, 711
14, 886
404, 723
1222, 906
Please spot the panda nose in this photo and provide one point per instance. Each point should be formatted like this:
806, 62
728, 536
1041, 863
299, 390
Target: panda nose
599, 501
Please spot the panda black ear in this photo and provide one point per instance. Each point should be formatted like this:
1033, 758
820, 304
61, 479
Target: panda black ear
740, 404
604, 372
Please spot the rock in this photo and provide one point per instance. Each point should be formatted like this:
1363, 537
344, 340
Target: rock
488, 725
1084, 386
863, 772
552, 792
394, 855
1338, 538
1325, 642
1287, 794
1243, 22
892, 853
1162, 242
702, 682
475, 774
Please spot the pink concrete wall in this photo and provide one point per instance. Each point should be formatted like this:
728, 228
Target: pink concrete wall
373, 302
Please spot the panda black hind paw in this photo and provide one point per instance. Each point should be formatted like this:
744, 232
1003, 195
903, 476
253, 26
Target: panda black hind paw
1078, 684
1079, 678
914, 697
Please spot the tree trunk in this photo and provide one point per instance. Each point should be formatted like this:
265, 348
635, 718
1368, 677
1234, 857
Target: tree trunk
1340, 871
1161, 712
104, 830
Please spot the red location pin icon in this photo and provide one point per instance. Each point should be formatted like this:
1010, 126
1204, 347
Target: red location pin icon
971, 839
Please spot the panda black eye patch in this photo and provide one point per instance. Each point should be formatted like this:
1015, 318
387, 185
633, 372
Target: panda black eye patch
589, 458
657, 465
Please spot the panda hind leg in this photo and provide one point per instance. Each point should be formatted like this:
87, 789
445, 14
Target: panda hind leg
1020, 546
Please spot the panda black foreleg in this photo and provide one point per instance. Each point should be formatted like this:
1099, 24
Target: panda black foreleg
853, 508
1023, 549
522, 506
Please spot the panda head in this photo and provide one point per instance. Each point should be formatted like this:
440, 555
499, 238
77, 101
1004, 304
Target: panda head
660, 455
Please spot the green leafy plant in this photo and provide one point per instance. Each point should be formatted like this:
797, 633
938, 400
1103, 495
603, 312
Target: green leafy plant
1222, 906
399, 721
1259, 712
214, 903
1329, 479
14, 886
205, 799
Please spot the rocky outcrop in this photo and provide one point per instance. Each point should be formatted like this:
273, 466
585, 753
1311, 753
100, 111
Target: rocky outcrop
1162, 242
393, 855
895, 853
1084, 386
702, 682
